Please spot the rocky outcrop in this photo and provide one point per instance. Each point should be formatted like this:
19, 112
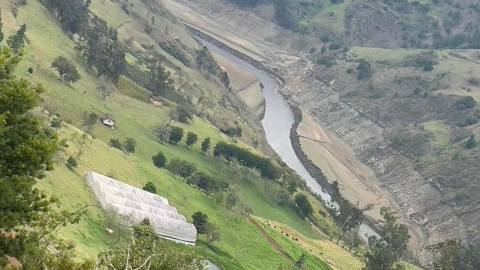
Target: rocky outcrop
419, 202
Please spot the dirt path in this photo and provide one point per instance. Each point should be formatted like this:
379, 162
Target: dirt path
273, 243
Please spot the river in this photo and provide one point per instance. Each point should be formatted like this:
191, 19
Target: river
277, 123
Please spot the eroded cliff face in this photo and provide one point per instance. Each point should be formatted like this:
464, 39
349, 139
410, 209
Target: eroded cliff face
317, 92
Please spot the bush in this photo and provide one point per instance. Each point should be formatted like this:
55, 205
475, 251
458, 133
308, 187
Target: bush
474, 81
159, 160
335, 46
328, 61
150, 187
350, 71
30, 70
176, 134
428, 66
364, 70
470, 142
129, 145
72, 163
56, 123
465, 103
115, 143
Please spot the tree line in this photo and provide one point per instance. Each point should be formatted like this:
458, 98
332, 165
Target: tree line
246, 158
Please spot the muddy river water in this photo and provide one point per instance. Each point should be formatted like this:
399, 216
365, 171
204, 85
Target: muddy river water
277, 122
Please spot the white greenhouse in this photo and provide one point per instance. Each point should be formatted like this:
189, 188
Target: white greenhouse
138, 204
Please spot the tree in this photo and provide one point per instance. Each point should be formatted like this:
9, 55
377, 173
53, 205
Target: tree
192, 138
470, 142
452, 255
303, 205
161, 81
233, 197
67, 70
1, 28
385, 252
104, 87
181, 167
159, 160
129, 145
89, 120
163, 133
245, 209
292, 186
26, 152
206, 182
301, 261
364, 70
119, 224
147, 251
212, 232
200, 220
150, 187
184, 114
176, 135
206, 144
16, 41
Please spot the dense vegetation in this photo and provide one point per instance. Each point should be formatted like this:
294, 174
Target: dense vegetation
246, 158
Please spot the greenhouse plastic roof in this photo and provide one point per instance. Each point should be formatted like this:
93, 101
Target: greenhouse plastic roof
138, 204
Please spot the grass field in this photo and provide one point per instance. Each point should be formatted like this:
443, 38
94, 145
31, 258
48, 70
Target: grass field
242, 246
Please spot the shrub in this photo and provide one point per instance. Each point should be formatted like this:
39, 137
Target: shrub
474, 81
115, 143
465, 103
335, 46
72, 163
30, 70
428, 66
470, 142
150, 187
129, 145
364, 70
350, 71
56, 123
328, 61
159, 160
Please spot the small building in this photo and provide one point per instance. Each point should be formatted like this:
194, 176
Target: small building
157, 101
108, 120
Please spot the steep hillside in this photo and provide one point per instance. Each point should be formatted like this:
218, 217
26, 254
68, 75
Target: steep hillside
408, 113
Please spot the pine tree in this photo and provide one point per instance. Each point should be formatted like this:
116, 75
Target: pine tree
26, 151
16, 41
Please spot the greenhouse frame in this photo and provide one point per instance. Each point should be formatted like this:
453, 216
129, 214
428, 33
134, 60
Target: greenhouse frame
138, 204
